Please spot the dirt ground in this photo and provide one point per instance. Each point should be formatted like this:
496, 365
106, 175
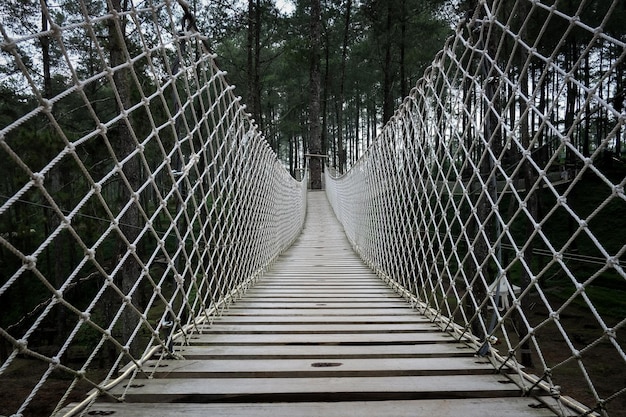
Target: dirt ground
17, 383
601, 363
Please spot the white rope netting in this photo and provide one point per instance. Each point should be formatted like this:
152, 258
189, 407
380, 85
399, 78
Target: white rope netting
494, 198
137, 197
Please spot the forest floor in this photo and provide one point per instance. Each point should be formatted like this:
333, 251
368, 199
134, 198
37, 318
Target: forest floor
602, 363
24, 374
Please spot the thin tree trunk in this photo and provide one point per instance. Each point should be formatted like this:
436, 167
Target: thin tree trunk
257, 65
571, 97
124, 144
344, 57
357, 122
570, 109
314, 100
250, 56
530, 177
292, 168
45, 53
368, 132
618, 104
54, 252
403, 81
326, 89
387, 69
253, 60
586, 148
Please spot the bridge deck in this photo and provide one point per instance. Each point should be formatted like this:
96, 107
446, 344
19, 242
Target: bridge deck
320, 334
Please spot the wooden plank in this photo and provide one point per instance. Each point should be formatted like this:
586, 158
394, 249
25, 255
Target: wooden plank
297, 328
323, 278
308, 368
484, 407
325, 351
304, 298
327, 284
296, 297
326, 279
317, 389
312, 339
329, 273
328, 304
313, 290
329, 290
322, 319
320, 311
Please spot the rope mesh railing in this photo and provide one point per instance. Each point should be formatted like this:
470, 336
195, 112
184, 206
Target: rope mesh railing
494, 198
137, 197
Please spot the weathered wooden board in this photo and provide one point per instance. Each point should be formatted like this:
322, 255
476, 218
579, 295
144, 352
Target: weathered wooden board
315, 302
295, 328
295, 296
318, 389
317, 274
484, 407
322, 319
307, 368
320, 311
326, 351
316, 305
316, 339
329, 285
337, 291
346, 297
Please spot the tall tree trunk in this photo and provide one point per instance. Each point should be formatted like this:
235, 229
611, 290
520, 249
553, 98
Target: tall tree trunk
357, 123
468, 128
257, 65
325, 90
530, 177
586, 149
482, 228
368, 129
292, 168
315, 134
341, 143
403, 81
54, 252
388, 68
45, 52
570, 110
123, 144
344, 57
618, 104
542, 109
250, 57
253, 59
571, 97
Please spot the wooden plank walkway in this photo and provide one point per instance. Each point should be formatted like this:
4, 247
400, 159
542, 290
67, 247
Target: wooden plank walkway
321, 335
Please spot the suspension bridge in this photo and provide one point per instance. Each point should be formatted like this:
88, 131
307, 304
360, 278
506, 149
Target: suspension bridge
163, 260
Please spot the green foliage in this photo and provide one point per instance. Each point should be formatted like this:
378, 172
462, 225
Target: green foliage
285, 62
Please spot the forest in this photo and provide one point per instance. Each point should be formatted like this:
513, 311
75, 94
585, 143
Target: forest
317, 77
369, 55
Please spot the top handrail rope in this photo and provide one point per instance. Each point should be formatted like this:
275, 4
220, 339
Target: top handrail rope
123, 229
477, 197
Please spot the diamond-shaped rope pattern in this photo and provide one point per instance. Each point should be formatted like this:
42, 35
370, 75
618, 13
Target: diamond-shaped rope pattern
137, 199
494, 198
